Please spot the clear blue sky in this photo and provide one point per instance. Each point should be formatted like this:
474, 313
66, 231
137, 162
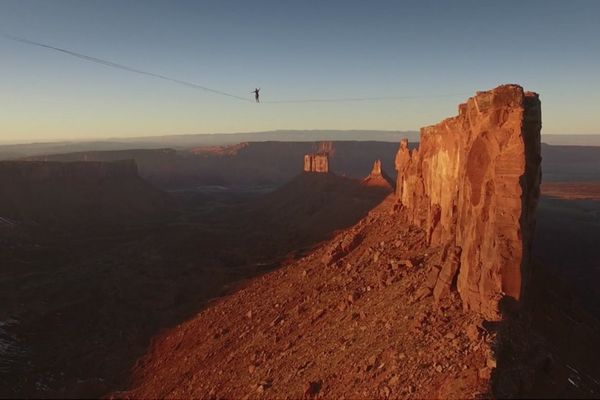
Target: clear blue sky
291, 50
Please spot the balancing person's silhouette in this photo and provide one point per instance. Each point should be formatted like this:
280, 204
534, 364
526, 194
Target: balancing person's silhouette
255, 91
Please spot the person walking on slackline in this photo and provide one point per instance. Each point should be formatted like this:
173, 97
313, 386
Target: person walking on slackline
255, 91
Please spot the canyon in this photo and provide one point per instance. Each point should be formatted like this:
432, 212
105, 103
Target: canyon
246, 164
250, 270
96, 261
274, 163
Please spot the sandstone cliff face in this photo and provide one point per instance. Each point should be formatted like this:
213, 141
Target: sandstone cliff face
473, 186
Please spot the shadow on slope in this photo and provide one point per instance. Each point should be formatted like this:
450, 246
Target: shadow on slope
310, 207
85, 305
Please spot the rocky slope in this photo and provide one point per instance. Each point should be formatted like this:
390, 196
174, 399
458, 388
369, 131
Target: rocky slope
348, 321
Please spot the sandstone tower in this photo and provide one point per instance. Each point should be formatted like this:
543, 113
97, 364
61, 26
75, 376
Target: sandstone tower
316, 163
319, 161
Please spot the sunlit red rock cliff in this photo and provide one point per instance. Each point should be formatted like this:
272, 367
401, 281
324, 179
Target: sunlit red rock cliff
473, 185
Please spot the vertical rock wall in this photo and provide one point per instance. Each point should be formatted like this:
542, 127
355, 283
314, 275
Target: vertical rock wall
473, 185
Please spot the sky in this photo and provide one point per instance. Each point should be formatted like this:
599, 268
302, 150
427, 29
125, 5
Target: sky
434, 54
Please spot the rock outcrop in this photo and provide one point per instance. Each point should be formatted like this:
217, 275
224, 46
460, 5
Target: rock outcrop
473, 186
319, 160
316, 163
378, 178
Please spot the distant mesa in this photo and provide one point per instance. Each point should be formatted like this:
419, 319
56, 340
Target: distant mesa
226, 150
78, 193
